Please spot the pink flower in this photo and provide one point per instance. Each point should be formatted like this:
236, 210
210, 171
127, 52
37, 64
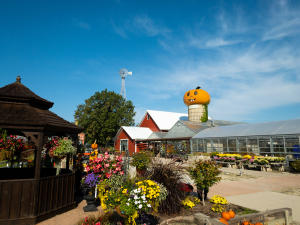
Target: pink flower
106, 165
108, 175
114, 165
122, 172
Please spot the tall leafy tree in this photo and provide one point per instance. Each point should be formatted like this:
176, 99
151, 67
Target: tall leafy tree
102, 115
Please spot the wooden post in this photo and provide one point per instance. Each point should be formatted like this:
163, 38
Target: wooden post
40, 142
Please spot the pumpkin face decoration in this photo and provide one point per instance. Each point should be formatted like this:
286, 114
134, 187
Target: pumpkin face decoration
196, 96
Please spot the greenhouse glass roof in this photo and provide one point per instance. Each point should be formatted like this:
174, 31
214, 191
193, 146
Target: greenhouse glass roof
285, 127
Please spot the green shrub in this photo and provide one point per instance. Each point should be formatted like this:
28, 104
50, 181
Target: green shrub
141, 160
205, 174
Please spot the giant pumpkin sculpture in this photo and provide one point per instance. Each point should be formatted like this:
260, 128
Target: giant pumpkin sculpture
196, 96
197, 101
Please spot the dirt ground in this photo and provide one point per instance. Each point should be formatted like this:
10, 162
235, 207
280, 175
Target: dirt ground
234, 182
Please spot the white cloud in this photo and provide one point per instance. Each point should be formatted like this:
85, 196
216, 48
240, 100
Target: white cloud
243, 80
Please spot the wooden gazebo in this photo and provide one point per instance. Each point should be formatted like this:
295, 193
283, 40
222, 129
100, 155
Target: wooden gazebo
31, 196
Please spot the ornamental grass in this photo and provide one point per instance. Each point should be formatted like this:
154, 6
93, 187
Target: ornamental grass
168, 174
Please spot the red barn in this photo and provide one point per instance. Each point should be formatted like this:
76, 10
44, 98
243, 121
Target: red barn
161, 121
126, 137
153, 121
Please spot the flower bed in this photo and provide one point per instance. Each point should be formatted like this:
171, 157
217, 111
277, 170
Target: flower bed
248, 161
158, 195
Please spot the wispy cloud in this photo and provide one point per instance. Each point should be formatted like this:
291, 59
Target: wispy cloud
82, 24
145, 24
243, 80
119, 30
212, 43
287, 28
141, 24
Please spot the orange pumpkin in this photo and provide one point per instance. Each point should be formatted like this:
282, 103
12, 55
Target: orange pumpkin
258, 223
246, 223
196, 96
226, 215
94, 146
231, 213
222, 220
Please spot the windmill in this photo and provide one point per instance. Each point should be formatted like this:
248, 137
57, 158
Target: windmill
123, 73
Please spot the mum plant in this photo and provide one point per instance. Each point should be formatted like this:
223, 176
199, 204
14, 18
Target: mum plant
205, 174
132, 199
218, 203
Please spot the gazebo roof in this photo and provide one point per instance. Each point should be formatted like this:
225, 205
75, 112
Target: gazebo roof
20, 107
17, 92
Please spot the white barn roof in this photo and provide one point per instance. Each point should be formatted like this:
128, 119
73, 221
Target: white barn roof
166, 120
267, 128
137, 132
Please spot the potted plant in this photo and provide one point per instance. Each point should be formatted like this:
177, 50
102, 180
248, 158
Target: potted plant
11, 147
141, 161
91, 181
57, 149
205, 175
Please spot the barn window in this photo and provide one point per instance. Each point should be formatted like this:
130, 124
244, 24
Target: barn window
123, 145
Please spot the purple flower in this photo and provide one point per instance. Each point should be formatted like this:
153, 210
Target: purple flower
91, 180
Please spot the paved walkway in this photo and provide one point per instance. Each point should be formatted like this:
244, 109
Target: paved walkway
263, 201
254, 189
260, 190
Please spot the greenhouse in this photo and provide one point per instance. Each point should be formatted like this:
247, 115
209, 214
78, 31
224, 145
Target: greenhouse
270, 138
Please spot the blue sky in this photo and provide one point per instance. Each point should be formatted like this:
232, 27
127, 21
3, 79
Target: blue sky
246, 54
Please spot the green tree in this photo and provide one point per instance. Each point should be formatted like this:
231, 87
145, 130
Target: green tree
103, 114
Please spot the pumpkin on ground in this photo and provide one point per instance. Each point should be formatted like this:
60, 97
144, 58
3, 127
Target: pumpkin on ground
231, 213
222, 220
196, 96
226, 215
246, 223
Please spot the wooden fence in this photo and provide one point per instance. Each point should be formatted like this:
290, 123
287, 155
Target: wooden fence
26, 201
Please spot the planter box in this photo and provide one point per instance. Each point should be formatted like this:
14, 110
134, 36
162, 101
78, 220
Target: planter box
281, 216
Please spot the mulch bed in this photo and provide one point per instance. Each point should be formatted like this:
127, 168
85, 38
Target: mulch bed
207, 211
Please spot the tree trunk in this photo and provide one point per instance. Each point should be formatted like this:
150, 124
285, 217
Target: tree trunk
203, 202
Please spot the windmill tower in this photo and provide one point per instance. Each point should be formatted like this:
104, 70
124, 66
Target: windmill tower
123, 73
